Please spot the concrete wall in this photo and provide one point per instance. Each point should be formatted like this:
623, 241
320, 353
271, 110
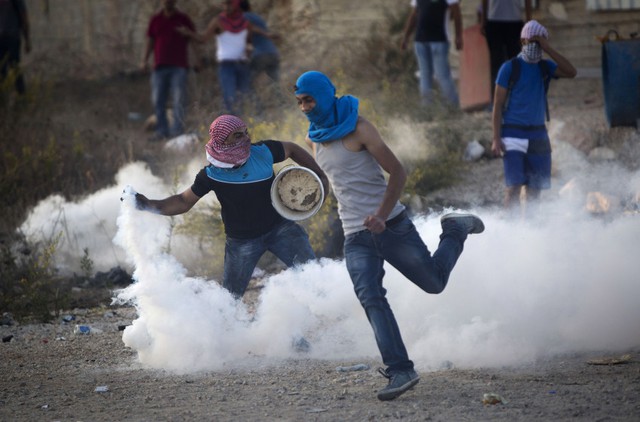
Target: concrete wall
98, 38
574, 29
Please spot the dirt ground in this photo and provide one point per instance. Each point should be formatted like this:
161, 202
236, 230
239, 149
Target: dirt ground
49, 373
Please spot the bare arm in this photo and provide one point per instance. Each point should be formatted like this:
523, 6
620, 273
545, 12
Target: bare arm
483, 15
367, 135
302, 157
267, 34
172, 205
26, 31
409, 26
565, 68
527, 10
147, 53
456, 15
197, 56
212, 29
500, 96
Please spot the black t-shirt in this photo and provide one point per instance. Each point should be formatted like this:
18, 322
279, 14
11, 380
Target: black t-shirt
431, 23
244, 193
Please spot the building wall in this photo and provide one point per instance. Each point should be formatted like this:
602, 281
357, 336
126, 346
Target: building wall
97, 38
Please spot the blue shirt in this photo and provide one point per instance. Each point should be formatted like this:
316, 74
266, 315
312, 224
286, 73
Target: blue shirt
527, 98
261, 44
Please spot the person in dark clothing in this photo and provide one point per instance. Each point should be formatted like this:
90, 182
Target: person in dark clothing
14, 26
502, 22
431, 45
240, 174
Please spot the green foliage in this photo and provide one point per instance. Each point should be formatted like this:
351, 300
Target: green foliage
325, 230
203, 225
29, 158
86, 263
32, 288
443, 166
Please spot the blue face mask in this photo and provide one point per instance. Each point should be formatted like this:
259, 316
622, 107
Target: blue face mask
332, 118
317, 85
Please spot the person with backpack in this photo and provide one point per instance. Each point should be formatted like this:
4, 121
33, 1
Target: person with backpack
519, 107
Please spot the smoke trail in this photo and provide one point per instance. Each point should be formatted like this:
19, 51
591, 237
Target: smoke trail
520, 291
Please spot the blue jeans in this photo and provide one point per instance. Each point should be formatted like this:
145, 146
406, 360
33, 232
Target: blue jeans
165, 81
401, 246
235, 79
288, 241
433, 60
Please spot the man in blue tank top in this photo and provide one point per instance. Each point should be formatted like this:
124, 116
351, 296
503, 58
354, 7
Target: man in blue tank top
240, 174
353, 155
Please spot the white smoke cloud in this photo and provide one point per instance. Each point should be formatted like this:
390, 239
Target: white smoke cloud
520, 291
90, 222
561, 281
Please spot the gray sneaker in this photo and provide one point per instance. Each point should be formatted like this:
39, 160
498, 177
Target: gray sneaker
300, 344
471, 222
399, 383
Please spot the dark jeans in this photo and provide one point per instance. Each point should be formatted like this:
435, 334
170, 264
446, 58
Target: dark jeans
288, 241
235, 82
401, 246
10, 59
165, 81
267, 63
503, 40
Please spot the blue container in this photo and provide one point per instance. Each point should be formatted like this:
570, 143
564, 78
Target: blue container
621, 81
82, 329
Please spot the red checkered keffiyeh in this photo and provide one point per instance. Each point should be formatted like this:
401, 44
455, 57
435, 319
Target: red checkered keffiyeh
227, 154
234, 21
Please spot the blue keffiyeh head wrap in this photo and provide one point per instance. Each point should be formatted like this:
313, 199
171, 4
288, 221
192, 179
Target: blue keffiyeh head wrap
332, 118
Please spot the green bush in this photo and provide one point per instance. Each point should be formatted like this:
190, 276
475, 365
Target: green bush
31, 288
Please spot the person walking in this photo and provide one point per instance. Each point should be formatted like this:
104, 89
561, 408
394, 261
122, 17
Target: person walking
265, 57
376, 225
170, 69
501, 22
14, 26
519, 107
240, 174
431, 45
232, 31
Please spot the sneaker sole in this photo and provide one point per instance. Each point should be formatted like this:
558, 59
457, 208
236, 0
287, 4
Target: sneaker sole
393, 394
478, 226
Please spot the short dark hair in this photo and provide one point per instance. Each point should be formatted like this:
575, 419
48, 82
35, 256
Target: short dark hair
245, 6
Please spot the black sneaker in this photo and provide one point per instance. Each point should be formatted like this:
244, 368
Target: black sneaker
399, 383
470, 222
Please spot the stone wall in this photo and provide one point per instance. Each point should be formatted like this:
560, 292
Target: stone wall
98, 38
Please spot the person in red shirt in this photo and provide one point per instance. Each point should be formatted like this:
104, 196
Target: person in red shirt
170, 68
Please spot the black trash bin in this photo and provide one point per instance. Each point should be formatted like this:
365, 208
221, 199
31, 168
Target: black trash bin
621, 81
